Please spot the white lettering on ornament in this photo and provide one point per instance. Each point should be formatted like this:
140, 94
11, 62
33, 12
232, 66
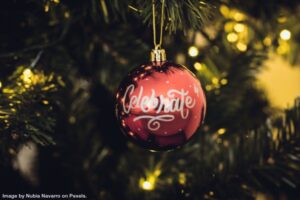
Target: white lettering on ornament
165, 107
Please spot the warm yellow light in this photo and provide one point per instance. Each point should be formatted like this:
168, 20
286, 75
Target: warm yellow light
182, 178
198, 66
221, 131
239, 27
157, 172
208, 87
238, 16
232, 37
268, 41
26, 76
46, 8
241, 46
224, 81
180, 58
215, 80
67, 14
45, 102
280, 80
8, 91
147, 184
56, 1
224, 10
0, 84
282, 19
285, 34
30, 78
283, 48
193, 51
27, 73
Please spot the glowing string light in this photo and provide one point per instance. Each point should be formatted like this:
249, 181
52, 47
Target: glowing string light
239, 27
285, 34
241, 46
198, 66
221, 131
232, 37
148, 183
193, 51
224, 81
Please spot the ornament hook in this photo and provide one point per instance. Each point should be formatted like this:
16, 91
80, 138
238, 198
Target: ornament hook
158, 54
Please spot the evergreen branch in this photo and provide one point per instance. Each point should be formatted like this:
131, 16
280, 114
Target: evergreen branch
180, 14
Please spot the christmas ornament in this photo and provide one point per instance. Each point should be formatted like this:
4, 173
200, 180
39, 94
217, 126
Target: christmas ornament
160, 105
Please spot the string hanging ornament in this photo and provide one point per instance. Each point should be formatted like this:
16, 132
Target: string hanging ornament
160, 104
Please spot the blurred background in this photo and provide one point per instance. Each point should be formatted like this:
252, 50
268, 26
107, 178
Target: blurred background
61, 64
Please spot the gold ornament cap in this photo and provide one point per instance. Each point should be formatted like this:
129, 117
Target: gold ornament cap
158, 55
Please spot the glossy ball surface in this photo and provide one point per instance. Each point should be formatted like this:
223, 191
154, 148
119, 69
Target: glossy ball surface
160, 105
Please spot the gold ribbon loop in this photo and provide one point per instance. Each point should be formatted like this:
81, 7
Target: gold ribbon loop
157, 45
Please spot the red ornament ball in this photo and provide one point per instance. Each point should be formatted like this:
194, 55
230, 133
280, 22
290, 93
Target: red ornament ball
160, 105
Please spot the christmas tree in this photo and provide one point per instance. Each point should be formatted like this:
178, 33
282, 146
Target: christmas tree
62, 63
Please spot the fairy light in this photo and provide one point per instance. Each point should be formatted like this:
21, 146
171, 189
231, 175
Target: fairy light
27, 76
148, 183
45, 102
285, 34
208, 87
232, 37
238, 16
157, 172
182, 178
282, 19
198, 66
239, 27
193, 51
241, 46
46, 7
267, 41
224, 10
180, 58
221, 131
72, 119
224, 81
67, 14
215, 80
